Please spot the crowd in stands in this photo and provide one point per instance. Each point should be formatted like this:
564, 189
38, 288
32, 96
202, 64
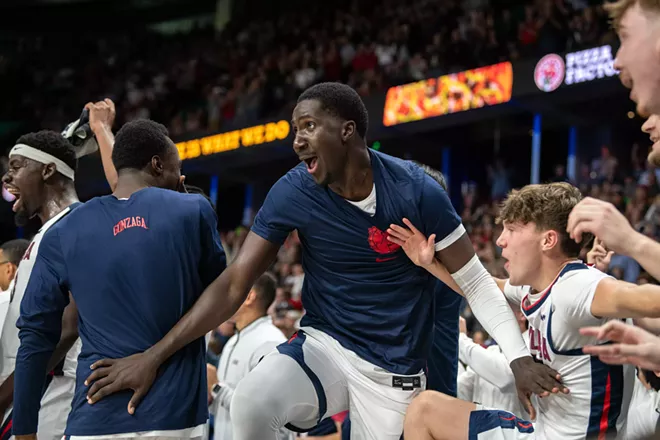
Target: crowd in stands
204, 80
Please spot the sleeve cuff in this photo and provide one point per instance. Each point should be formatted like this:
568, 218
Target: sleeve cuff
450, 239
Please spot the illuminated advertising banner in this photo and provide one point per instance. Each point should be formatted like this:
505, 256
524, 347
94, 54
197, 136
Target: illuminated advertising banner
232, 140
458, 92
553, 71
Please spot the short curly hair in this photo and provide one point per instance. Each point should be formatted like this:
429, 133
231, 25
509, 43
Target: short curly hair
548, 207
617, 9
53, 143
340, 100
137, 142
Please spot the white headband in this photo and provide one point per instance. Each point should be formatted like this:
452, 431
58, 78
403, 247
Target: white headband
41, 157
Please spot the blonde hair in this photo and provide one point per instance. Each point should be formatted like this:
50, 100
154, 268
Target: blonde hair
548, 207
617, 9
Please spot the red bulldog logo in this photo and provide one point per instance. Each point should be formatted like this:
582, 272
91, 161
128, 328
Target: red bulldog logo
379, 243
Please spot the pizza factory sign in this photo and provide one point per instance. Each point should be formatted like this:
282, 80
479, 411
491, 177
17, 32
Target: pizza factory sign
575, 68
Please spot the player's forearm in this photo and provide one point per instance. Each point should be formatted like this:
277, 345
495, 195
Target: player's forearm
491, 308
106, 141
29, 378
438, 270
218, 303
636, 301
489, 365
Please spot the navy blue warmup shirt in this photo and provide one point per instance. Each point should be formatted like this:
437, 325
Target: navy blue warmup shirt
134, 268
359, 287
442, 362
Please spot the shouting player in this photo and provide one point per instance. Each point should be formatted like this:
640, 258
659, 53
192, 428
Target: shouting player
135, 262
637, 23
41, 176
363, 340
563, 295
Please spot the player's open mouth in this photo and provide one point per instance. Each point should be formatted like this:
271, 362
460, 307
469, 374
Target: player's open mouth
311, 163
17, 195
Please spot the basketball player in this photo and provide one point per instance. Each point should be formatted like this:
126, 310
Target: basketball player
134, 262
364, 337
41, 176
442, 366
563, 295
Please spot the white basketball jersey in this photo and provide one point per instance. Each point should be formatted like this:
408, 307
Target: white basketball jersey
600, 394
9, 341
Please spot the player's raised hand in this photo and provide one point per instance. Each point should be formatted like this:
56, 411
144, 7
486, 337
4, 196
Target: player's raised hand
418, 248
136, 372
599, 256
101, 115
632, 345
535, 378
604, 221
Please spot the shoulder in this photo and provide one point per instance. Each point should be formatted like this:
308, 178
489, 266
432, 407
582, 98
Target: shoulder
398, 170
295, 182
579, 277
297, 178
577, 286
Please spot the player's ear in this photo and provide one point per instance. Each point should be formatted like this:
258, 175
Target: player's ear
12, 268
347, 130
550, 240
157, 164
48, 170
251, 297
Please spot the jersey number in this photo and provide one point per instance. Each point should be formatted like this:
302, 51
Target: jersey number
538, 344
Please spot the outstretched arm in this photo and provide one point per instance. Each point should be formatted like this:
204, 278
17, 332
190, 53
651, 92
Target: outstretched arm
101, 118
619, 299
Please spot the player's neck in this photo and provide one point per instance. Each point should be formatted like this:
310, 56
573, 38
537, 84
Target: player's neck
549, 270
128, 182
57, 200
247, 318
358, 179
